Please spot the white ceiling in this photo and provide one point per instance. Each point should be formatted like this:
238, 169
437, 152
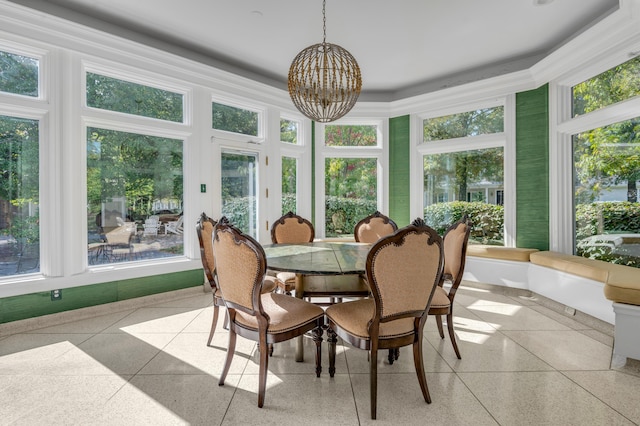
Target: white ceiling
403, 47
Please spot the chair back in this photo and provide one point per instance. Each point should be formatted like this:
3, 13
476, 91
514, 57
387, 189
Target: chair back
204, 229
373, 227
292, 229
456, 239
403, 270
240, 267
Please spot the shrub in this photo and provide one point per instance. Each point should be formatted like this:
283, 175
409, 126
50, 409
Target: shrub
487, 219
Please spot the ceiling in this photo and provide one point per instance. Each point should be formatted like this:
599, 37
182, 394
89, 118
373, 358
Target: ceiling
403, 47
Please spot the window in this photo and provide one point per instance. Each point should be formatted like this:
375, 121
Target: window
462, 162
289, 131
134, 196
350, 160
236, 120
607, 175
289, 184
19, 196
18, 74
612, 86
469, 179
122, 96
598, 171
239, 190
472, 123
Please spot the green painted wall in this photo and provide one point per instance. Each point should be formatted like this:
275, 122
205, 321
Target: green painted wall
399, 165
532, 168
36, 304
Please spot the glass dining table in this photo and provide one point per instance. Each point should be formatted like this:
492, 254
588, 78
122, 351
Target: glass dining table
323, 269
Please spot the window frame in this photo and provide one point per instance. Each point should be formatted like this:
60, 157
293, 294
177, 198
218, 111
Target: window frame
562, 126
380, 152
505, 140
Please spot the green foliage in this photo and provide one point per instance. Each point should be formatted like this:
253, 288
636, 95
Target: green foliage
288, 131
350, 135
18, 74
236, 120
472, 123
487, 219
24, 229
131, 98
288, 203
342, 214
235, 209
607, 218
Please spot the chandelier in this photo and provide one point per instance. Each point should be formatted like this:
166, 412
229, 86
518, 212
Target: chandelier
324, 80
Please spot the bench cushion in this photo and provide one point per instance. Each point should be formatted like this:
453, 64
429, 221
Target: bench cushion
596, 270
621, 283
500, 252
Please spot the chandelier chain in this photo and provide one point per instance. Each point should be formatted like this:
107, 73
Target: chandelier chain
324, 22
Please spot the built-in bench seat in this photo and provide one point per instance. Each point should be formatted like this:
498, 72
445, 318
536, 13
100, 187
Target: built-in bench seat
603, 290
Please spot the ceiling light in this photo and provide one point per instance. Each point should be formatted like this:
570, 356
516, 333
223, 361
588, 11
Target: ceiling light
324, 80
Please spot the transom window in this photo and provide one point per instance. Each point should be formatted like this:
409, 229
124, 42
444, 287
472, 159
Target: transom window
19, 74
235, 120
471, 123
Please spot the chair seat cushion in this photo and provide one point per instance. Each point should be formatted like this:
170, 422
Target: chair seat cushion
440, 299
286, 277
269, 284
354, 317
285, 313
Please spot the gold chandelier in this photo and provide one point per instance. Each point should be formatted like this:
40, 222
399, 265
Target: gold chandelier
324, 80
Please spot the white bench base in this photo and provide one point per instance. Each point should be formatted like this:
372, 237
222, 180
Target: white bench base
580, 293
626, 342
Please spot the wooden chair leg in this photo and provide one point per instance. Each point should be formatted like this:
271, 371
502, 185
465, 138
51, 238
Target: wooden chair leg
373, 382
439, 323
230, 351
452, 334
317, 338
262, 377
214, 322
422, 378
332, 338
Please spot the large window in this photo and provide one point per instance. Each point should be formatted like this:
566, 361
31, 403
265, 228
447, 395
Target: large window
134, 180
463, 172
352, 155
134, 196
19, 171
606, 164
19, 196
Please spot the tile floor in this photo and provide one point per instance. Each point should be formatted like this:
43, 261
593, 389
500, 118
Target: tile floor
522, 363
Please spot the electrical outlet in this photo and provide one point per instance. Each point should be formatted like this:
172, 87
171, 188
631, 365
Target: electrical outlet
56, 295
569, 310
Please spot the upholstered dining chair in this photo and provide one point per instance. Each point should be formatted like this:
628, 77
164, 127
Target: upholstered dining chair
403, 271
373, 227
455, 240
290, 229
204, 229
262, 317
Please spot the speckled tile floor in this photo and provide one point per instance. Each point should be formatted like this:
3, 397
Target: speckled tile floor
522, 363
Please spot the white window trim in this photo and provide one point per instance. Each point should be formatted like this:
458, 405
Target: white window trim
505, 139
380, 152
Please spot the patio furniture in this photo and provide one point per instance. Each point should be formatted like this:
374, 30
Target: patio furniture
175, 227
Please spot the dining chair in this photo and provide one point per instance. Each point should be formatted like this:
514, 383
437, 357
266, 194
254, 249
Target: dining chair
455, 242
204, 229
373, 227
290, 229
403, 270
265, 318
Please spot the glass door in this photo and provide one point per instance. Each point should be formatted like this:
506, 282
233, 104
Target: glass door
240, 189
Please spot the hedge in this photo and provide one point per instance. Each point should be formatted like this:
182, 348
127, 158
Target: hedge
487, 219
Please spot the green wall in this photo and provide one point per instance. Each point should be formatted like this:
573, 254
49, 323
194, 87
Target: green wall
532, 168
399, 165
37, 304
